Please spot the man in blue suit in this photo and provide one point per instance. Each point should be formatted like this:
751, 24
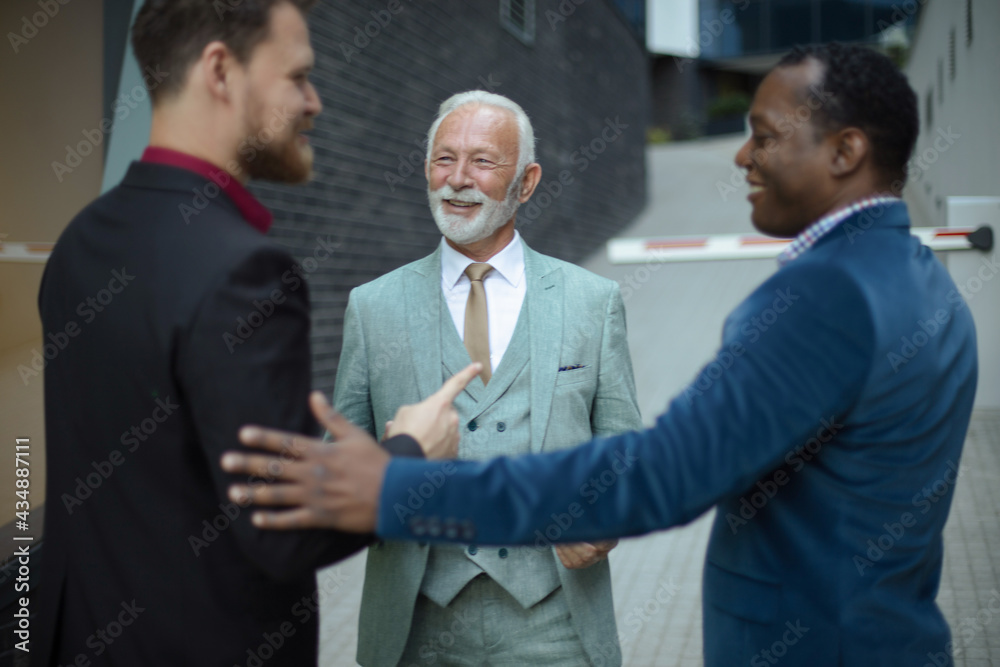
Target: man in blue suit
828, 429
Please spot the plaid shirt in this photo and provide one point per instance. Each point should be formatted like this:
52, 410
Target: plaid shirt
824, 225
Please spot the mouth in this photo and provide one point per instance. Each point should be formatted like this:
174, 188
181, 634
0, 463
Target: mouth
458, 203
755, 189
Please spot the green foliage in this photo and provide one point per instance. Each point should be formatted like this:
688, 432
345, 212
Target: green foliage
729, 104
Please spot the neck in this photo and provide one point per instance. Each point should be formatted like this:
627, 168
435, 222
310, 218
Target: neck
852, 193
482, 250
209, 141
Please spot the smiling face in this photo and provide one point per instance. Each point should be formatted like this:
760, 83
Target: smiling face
471, 174
280, 101
788, 157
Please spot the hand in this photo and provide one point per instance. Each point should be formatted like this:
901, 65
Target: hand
584, 554
327, 484
433, 422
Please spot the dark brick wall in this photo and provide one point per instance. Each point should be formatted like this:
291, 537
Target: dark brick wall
581, 74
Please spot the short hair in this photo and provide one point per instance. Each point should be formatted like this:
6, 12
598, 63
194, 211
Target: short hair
863, 88
525, 133
171, 34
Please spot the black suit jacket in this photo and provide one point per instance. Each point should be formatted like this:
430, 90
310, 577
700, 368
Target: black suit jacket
179, 323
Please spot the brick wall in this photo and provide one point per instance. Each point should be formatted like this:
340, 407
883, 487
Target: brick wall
584, 84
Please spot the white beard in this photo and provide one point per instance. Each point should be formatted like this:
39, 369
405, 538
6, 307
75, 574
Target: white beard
461, 230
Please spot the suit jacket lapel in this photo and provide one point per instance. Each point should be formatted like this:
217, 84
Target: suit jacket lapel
422, 292
545, 308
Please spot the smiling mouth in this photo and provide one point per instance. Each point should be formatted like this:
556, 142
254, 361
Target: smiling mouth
462, 204
756, 188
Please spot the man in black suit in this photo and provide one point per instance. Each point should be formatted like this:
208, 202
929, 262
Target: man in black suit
183, 322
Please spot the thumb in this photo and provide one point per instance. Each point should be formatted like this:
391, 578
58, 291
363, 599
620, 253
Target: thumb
338, 426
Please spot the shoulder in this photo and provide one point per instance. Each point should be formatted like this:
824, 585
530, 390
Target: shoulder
575, 277
422, 268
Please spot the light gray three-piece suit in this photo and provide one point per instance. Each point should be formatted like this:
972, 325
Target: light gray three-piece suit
565, 377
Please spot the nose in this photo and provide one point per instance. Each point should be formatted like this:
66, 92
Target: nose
460, 176
743, 160
313, 104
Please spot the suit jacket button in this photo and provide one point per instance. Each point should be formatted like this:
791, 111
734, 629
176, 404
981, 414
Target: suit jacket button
503, 553
473, 425
501, 427
473, 550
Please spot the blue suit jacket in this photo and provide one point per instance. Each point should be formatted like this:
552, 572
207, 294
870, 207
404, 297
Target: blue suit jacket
828, 431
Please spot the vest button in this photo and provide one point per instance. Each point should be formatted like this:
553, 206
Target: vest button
501, 427
473, 550
503, 553
473, 425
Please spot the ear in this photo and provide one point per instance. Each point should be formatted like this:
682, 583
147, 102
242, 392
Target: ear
217, 66
850, 151
532, 175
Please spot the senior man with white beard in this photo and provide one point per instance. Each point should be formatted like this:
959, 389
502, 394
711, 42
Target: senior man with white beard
556, 371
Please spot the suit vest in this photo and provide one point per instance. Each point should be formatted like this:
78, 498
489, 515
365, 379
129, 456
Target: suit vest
498, 424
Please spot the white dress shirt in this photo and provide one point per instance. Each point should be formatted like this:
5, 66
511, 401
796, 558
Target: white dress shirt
505, 289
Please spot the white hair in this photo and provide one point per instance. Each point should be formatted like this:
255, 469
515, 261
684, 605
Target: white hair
526, 135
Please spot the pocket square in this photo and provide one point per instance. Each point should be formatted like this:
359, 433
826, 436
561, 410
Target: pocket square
571, 368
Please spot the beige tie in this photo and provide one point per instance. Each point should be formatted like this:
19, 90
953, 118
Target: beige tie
477, 331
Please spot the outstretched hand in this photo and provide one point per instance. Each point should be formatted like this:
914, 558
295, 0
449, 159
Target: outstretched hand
326, 484
337, 484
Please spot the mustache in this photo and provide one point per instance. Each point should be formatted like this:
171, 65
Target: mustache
466, 195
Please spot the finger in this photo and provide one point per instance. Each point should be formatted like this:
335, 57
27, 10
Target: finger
287, 520
320, 407
268, 467
267, 494
457, 382
271, 440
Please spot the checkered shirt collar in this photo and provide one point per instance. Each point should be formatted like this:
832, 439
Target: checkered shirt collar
824, 225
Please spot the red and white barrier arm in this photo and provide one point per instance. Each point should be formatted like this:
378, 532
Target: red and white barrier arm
755, 246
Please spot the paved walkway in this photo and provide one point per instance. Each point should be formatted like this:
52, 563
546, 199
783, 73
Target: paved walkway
675, 314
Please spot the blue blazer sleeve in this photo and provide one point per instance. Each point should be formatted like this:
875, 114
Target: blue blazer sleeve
795, 353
